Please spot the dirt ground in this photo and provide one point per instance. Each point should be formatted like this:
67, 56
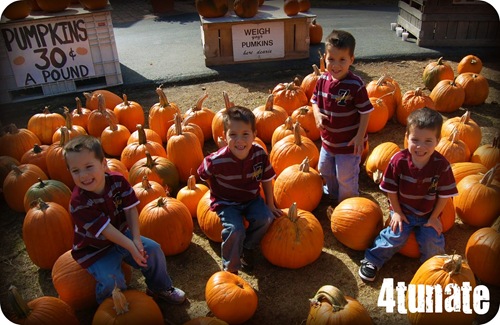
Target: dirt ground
283, 294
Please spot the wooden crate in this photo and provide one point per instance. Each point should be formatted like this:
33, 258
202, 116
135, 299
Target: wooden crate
218, 41
450, 22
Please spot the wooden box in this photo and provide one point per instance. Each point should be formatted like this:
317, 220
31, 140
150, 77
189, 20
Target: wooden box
280, 38
450, 22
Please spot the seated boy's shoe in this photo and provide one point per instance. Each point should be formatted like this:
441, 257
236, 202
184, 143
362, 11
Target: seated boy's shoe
173, 295
367, 271
247, 260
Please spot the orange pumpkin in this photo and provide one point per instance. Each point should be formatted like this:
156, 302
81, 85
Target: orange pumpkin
158, 169
267, 118
75, 285
168, 222
115, 165
191, 194
305, 116
304, 5
379, 159
98, 118
6, 165
161, 115
150, 136
15, 142
80, 115
49, 190
447, 96
292, 149
477, 201
470, 63
129, 113
290, 96
466, 168
452, 148
52, 220
176, 148
147, 191
294, 240
217, 121
18, 181
211, 8
467, 130
44, 124
136, 151
378, 117
440, 271
114, 138
436, 71
53, 5
201, 116
18, 10
483, 253
356, 221
285, 129
298, 184
110, 99
37, 156
246, 8
387, 89
56, 164
73, 130
475, 86
230, 298
41, 310
315, 32
330, 306
488, 154
128, 307
291, 7
208, 220
411, 101
186, 126
308, 84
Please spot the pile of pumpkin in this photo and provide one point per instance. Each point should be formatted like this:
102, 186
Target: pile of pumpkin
155, 161
246, 8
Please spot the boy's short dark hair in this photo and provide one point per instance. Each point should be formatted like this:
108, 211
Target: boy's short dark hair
425, 118
238, 113
342, 40
87, 142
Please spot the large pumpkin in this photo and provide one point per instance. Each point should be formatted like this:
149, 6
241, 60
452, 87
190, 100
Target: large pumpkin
452, 148
18, 9
41, 310
294, 240
291, 150
16, 141
475, 86
300, 184
75, 285
436, 71
411, 101
387, 89
44, 124
447, 96
18, 181
356, 221
330, 306
147, 191
208, 220
52, 220
477, 202
315, 32
467, 130
49, 190
158, 169
285, 129
230, 298
191, 194
379, 159
168, 222
290, 96
466, 168
439, 271
110, 99
488, 154
129, 113
378, 117
128, 307
267, 118
483, 253
211, 8
161, 115
470, 63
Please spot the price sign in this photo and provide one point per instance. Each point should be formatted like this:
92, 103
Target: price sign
48, 52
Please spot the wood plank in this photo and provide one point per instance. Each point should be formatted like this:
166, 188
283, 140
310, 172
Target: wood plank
210, 41
226, 42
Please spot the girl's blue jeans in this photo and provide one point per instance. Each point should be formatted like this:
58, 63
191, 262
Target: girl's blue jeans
389, 243
234, 235
341, 174
107, 270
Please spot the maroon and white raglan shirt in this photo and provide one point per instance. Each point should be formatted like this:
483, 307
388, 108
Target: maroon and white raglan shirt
418, 189
342, 101
232, 180
92, 212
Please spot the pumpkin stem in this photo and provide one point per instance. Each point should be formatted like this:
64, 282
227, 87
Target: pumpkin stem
37, 149
269, 103
162, 98
296, 134
292, 212
289, 123
453, 264
125, 100
160, 203
17, 302
227, 102
199, 103
178, 124
64, 135
141, 134
120, 302
145, 182
489, 176
78, 106
101, 104
68, 118
40, 203
304, 166
332, 295
111, 123
316, 70
496, 225
322, 64
191, 183
465, 118
150, 163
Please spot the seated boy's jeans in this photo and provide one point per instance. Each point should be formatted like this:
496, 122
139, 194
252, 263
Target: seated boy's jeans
234, 234
107, 270
389, 243
341, 174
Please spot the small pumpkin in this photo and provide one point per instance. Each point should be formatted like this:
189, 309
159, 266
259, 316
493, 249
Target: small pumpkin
315, 32
201, 116
115, 165
379, 159
356, 221
230, 298
217, 121
158, 169
475, 86
304, 5
211, 8
129, 113
80, 115
294, 240
114, 138
147, 191
447, 96
150, 136
388, 90
330, 306
18, 181
73, 130
291, 7
488, 154
452, 148
97, 118
246, 8
378, 117
290, 96
191, 194
56, 164
161, 115
6, 165
37, 156
52, 220
267, 118
305, 116
135, 151
308, 84
44, 124
14, 142
411, 101
49, 190
436, 71
53, 5
18, 10
470, 63
467, 130
285, 129
186, 126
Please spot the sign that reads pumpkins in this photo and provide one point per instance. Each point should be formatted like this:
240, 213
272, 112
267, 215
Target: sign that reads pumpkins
258, 41
43, 52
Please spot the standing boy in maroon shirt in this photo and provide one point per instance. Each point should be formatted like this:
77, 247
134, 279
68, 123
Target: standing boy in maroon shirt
234, 174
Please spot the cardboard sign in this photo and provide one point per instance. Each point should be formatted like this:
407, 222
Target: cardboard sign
43, 52
258, 41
